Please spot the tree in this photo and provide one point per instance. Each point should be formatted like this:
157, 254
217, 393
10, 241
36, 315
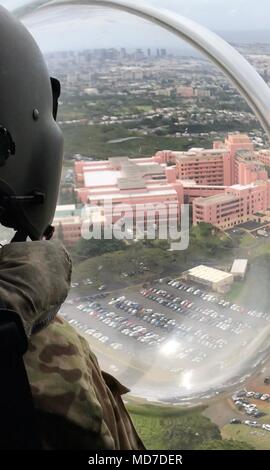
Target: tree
226, 444
205, 229
190, 432
89, 248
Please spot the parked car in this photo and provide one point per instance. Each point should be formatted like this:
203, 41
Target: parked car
235, 421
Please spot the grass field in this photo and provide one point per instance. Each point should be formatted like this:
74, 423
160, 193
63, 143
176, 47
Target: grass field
261, 249
67, 113
236, 292
247, 240
144, 108
93, 141
108, 268
258, 438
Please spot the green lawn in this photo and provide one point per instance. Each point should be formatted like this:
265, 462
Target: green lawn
247, 240
258, 438
68, 114
93, 141
144, 108
108, 268
261, 250
236, 292
161, 411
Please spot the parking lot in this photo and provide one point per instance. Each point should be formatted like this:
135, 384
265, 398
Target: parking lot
248, 402
171, 339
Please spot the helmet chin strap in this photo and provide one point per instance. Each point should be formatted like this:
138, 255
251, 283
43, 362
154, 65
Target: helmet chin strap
21, 236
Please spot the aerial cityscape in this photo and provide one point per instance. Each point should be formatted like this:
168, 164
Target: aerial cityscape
147, 127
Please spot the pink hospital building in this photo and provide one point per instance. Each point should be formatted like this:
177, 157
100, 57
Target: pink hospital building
226, 185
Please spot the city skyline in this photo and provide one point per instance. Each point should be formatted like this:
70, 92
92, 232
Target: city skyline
239, 20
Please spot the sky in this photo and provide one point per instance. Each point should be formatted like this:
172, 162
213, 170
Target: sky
81, 26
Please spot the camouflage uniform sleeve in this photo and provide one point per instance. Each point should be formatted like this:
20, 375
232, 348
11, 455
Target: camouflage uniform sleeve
126, 435
78, 406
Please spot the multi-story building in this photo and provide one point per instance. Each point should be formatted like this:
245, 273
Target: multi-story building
202, 93
185, 91
214, 166
205, 167
143, 185
193, 190
247, 169
67, 223
236, 205
233, 143
263, 156
227, 185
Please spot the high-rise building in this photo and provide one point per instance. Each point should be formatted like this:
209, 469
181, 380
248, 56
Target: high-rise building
123, 53
139, 54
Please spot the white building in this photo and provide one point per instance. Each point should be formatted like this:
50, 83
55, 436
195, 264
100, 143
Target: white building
239, 268
215, 279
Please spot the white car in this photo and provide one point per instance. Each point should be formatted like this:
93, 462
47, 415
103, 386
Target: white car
97, 335
90, 331
80, 307
265, 397
74, 284
126, 331
103, 339
266, 427
117, 346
